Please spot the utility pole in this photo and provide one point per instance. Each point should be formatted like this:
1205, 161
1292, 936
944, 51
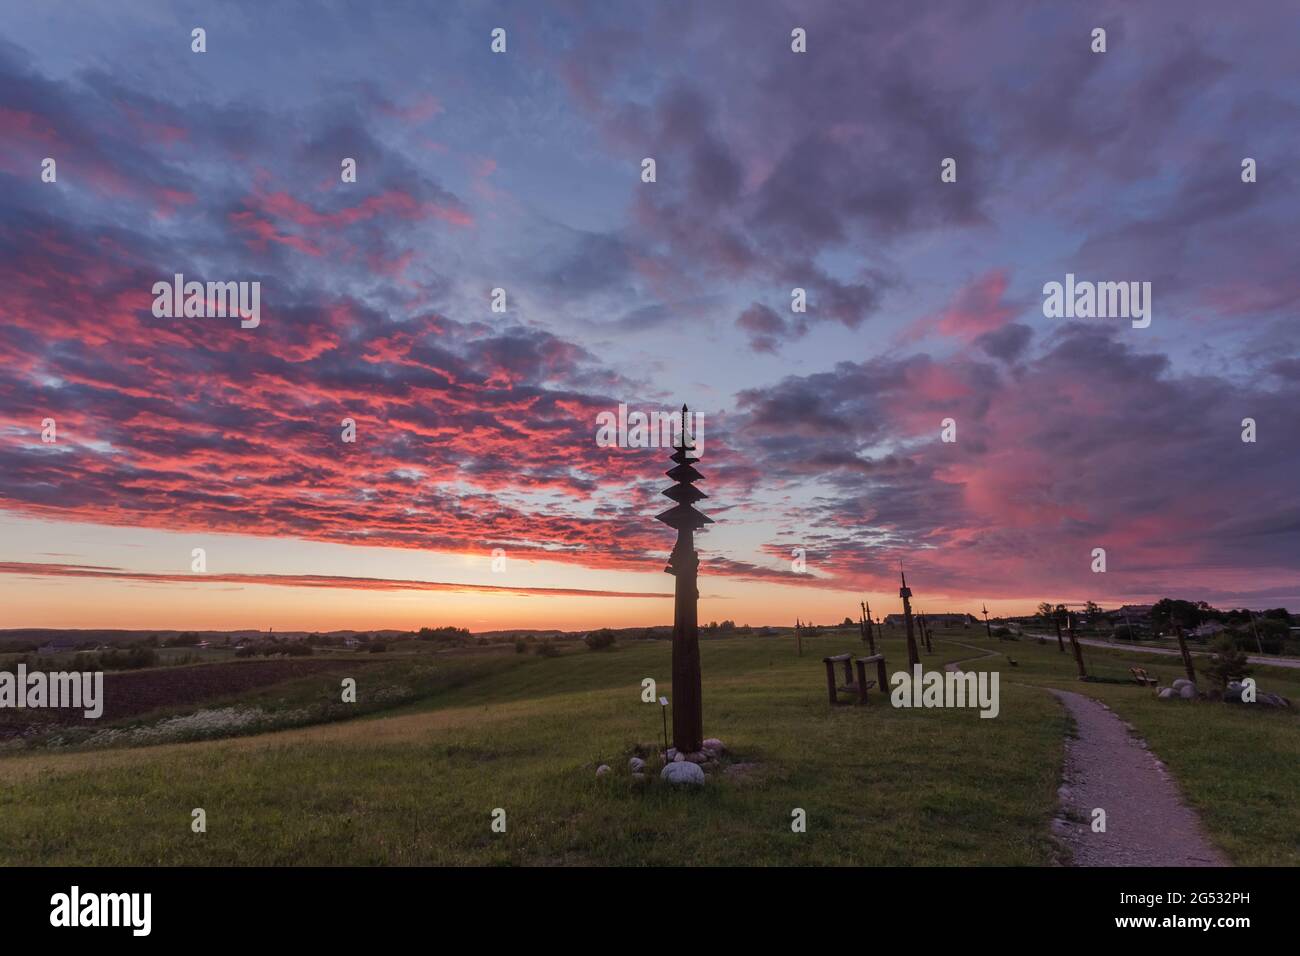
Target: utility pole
1254, 630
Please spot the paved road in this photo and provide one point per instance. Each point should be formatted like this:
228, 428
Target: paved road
1093, 642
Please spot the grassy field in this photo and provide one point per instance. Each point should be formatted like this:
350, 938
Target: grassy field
418, 784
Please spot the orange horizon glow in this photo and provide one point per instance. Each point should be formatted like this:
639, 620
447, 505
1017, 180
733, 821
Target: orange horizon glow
88, 576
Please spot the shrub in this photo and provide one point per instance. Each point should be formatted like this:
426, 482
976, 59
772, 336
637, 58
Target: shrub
121, 660
1272, 634
1228, 662
546, 649
377, 647
521, 646
599, 640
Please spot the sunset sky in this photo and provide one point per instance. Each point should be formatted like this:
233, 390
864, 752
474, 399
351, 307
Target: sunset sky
476, 430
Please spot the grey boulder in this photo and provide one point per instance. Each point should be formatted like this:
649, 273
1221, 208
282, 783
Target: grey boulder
683, 772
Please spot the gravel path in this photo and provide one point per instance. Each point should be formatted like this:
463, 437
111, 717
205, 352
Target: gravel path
980, 652
1147, 822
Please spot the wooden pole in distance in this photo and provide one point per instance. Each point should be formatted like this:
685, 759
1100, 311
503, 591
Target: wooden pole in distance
1187, 656
1074, 642
913, 658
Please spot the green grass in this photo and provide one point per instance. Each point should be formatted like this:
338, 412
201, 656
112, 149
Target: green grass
880, 786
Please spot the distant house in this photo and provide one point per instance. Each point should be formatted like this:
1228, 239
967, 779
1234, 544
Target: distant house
1209, 629
1136, 610
951, 620
57, 647
351, 642
945, 620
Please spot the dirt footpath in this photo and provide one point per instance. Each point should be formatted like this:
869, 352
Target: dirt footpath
1147, 822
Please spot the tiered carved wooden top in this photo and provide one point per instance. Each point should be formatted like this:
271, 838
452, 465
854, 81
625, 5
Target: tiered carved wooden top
683, 517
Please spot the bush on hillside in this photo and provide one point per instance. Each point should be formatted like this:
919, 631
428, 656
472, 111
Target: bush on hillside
115, 660
1228, 663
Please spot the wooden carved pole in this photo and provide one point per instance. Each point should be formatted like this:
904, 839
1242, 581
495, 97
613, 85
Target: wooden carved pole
1074, 642
1060, 645
798, 636
1187, 655
988, 631
925, 635
913, 658
866, 625
684, 564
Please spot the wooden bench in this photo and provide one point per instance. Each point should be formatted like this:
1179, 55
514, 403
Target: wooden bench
1142, 677
859, 686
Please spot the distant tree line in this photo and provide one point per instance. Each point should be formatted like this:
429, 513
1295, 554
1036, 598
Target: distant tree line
445, 635
1269, 630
